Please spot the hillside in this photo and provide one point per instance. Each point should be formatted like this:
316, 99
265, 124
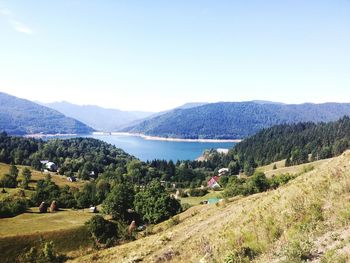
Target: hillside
99, 118
235, 120
20, 116
296, 142
307, 219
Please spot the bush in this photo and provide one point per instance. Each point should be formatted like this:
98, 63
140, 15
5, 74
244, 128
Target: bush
46, 254
104, 233
12, 207
198, 191
8, 181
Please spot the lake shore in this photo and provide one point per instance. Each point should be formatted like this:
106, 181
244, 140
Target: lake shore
41, 135
157, 138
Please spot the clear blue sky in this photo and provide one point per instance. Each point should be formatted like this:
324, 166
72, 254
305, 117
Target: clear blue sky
154, 55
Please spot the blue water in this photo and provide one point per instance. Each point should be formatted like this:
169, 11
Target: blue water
167, 150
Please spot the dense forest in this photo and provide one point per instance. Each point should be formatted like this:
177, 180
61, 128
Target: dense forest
20, 116
235, 120
297, 143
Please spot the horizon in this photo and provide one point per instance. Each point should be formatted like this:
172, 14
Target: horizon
155, 56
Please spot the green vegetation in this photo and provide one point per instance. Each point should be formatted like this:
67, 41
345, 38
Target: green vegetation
294, 142
105, 233
154, 204
20, 116
235, 120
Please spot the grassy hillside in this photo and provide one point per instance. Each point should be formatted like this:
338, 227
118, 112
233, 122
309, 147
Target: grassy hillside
307, 219
66, 228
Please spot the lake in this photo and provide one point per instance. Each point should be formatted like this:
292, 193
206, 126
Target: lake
153, 149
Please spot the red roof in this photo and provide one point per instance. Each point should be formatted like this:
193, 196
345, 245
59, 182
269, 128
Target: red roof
213, 180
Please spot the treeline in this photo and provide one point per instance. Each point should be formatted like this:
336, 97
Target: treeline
297, 143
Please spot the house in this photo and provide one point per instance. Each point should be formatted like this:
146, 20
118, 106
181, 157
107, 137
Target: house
213, 182
223, 171
50, 166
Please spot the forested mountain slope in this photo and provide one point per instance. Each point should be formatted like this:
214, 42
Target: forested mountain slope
235, 120
20, 116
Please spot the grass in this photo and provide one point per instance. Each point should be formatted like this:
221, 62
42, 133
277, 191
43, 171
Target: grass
66, 228
282, 225
195, 200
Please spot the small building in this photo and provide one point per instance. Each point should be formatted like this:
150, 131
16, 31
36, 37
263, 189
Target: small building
213, 182
213, 200
223, 171
51, 166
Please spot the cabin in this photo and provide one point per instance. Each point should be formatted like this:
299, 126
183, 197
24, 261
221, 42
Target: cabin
213, 182
50, 166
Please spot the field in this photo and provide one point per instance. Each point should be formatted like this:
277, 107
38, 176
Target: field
306, 219
196, 200
66, 228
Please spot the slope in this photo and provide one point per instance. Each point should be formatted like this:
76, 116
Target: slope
307, 219
235, 120
20, 116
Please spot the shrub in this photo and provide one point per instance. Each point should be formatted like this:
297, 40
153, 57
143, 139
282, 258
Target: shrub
104, 233
45, 254
198, 191
12, 207
8, 181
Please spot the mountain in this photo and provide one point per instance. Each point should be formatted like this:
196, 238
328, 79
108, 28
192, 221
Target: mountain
20, 116
235, 120
99, 118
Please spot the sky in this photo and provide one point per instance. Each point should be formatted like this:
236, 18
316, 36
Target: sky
153, 55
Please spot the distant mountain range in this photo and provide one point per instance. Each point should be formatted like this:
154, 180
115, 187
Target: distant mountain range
200, 120
20, 116
235, 120
99, 118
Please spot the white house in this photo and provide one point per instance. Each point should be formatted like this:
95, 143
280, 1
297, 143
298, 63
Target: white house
50, 166
223, 171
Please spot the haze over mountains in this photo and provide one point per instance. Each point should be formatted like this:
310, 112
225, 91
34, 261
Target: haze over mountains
99, 118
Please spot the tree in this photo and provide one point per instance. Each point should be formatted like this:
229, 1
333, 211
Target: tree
13, 171
119, 201
26, 175
134, 170
154, 204
103, 231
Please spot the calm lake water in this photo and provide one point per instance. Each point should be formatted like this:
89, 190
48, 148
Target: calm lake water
167, 150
